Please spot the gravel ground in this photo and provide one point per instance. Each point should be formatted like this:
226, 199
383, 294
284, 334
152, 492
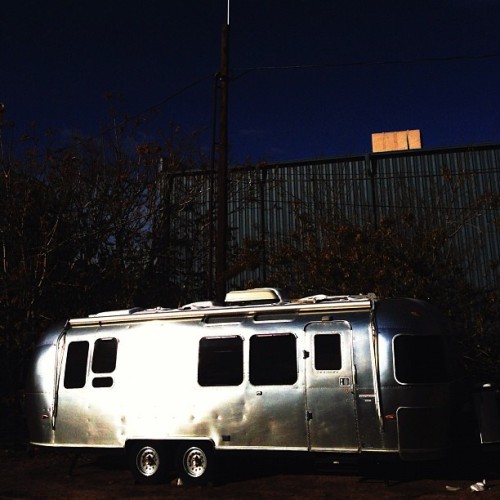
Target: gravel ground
45, 473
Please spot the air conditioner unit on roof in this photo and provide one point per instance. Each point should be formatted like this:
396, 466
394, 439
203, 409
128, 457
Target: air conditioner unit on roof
255, 296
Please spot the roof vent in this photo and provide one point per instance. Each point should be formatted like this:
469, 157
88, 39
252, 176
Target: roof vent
120, 312
255, 296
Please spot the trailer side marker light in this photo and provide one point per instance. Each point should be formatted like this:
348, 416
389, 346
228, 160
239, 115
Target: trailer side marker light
390, 416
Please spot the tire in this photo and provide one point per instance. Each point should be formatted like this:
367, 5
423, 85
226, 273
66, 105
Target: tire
148, 461
194, 462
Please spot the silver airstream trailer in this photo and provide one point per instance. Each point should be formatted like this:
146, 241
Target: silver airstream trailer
324, 374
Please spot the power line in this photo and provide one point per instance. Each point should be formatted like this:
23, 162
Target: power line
167, 99
135, 116
389, 62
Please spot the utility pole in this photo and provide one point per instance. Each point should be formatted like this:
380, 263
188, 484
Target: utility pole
222, 212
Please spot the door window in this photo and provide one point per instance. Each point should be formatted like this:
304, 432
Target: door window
327, 352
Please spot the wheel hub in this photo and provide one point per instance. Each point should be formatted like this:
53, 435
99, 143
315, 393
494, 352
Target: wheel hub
195, 462
148, 461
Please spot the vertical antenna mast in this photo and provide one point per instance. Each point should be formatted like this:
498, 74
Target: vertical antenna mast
221, 238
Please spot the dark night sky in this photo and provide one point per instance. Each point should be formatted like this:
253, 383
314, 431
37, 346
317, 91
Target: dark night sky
323, 76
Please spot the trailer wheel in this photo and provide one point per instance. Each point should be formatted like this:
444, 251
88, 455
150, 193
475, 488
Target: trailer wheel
194, 462
148, 461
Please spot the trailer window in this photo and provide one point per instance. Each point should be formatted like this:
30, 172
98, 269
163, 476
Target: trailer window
273, 359
76, 365
220, 361
327, 352
104, 359
420, 359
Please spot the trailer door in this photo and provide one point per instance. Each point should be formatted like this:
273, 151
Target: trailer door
330, 401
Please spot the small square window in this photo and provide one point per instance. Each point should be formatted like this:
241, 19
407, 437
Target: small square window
420, 359
273, 359
220, 361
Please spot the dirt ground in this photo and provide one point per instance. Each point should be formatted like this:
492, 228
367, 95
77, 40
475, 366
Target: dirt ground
47, 474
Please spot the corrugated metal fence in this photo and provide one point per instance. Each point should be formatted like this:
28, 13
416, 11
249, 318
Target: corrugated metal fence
460, 187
